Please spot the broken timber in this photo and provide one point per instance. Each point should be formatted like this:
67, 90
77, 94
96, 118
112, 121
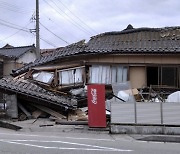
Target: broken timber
35, 94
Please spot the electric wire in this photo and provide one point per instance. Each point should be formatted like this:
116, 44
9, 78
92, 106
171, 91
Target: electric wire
71, 18
58, 25
11, 7
77, 26
14, 33
13, 27
77, 17
54, 34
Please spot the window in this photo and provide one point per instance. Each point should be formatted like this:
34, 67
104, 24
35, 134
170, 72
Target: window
168, 76
107, 74
71, 76
162, 76
45, 77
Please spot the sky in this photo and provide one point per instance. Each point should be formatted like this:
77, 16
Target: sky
63, 22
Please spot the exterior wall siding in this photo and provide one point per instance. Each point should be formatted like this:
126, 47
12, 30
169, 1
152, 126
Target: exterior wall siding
136, 59
137, 76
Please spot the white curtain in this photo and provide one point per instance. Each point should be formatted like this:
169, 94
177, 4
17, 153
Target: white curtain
100, 74
107, 74
71, 76
125, 72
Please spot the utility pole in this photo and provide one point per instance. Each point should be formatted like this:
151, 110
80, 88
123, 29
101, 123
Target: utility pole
37, 30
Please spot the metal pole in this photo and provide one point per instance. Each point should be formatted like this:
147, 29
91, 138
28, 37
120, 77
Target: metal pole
135, 112
37, 30
161, 110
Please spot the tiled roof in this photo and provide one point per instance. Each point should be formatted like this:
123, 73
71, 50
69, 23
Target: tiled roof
137, 41
70, 50
31, 90
15, 52
129, 41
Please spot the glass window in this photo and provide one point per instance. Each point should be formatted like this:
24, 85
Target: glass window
45, 77
107, 74
169, 76
71, 76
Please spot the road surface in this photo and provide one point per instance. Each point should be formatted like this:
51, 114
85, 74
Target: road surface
74, 142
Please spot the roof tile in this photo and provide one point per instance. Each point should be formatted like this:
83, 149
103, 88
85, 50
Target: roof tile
20, 86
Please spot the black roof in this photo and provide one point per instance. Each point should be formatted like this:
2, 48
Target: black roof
128, 41
35, 93
15, 52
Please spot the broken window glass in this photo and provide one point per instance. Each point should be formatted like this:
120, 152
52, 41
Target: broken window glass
45, 77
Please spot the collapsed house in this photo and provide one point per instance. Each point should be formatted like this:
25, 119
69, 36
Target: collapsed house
14, 58
147, 57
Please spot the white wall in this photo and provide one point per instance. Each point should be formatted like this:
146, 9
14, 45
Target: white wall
27, 57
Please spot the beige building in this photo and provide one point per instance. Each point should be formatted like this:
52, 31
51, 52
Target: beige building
15, 57
143, 56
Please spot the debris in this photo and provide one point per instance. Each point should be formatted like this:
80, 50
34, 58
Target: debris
36, 114
71, 122
78, 115
45, 125
50, 111
174, 97
22, 117
9, 125
24, 110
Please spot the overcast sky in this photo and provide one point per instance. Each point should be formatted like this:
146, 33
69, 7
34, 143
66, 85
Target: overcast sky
63, 22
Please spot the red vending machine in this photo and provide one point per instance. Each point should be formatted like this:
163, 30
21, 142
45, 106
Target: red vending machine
96, 106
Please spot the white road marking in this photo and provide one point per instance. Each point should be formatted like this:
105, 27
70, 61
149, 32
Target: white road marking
58, 137
94, 148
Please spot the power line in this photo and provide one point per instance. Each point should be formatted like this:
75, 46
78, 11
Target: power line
19, 28
14, 33
77, 17
53, 33
74, 23
11, 7
58, 26
10, 26
46, 41
10, 23
71, 17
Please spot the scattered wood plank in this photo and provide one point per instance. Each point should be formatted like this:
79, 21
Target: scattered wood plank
49, 111
24, 110
71, 122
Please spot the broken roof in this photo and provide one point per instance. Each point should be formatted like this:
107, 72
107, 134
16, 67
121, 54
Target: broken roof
128, 41
15, 52
33, 92
137, 41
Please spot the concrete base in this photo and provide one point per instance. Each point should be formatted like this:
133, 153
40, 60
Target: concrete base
12, 109
144, 129
159, 138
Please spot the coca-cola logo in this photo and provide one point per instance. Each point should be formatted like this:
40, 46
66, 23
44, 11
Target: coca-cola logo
94, 95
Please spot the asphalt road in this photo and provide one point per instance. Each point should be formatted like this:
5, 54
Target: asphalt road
75, 142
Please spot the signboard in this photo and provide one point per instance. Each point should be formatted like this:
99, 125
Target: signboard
96, 106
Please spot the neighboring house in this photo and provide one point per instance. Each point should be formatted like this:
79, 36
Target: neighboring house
16, 57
